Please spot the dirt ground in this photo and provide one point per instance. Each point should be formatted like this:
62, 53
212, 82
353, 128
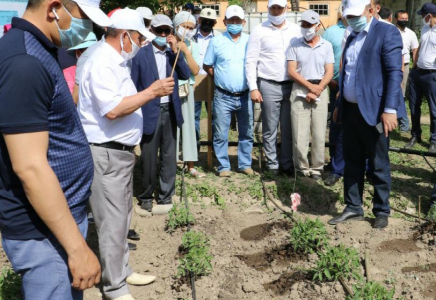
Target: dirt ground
249, 237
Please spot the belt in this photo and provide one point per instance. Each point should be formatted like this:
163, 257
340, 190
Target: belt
426, 71
314, 81
114, 145
276, 82
225, 92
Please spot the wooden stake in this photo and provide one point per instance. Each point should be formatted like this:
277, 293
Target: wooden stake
368, 278
419, 208
209, 123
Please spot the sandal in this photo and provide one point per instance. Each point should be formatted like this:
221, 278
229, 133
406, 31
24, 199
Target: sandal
194, 173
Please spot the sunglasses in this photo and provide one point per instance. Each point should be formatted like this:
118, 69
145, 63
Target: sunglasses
160, 30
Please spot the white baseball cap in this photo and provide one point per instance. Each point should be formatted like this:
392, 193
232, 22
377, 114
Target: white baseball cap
235, 11
281, 3
145, 12
129, 19
92, 9
354, 7
208, 13
161, 20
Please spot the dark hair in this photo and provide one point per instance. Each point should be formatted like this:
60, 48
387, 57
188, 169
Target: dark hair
98, 31
385, 13
400, 12
34, 4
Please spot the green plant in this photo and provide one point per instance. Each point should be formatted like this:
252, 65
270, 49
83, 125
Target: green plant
220, 201
196, 258
308, 235
10, 285
371, 291
255, 190
431, 215
179, 216
336, 261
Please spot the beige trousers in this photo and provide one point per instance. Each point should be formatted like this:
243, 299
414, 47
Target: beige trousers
308, 119
405, 79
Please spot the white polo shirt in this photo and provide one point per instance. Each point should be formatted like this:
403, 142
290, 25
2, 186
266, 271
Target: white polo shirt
427, 52
311, 61
105, 81
410, 42
266, 52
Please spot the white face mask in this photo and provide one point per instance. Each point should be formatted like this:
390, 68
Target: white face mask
130, 55
188, 35
277, 20
309, 33
424, 22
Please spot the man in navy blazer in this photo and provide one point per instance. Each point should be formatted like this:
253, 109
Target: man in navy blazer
161, 116
369, 104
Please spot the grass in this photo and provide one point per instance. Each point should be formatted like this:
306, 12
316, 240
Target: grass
10, 285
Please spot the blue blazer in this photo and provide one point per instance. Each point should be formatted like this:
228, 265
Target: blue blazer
379, 75
145, 73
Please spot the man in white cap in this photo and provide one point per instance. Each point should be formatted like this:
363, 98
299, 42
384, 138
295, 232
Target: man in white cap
205, 32
225, 63
46, 163
110, 110
147, 15
368, 106
270, 85
310, 64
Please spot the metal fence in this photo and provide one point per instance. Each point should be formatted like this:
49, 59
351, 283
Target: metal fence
254, 19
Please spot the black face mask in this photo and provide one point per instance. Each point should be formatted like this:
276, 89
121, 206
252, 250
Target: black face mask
402, 24
207, 26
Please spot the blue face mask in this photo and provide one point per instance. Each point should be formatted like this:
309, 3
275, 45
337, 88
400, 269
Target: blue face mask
234, 28
160, 41
358, 23
76, 34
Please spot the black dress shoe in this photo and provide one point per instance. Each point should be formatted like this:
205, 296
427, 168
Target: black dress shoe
412, 142
380, 222
331, 180
288, 172
147, 205
132, 247
346, 215
133, 235
316, 177
432, 148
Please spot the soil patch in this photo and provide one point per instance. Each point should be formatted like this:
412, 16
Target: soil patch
262, 261
399, 245
420, 269
284, 283
426, 233
261, 231
430, 291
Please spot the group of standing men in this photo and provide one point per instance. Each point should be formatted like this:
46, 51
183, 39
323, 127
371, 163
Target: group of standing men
128, 95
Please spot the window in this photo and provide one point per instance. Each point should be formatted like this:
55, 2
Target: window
321, 9
215, 7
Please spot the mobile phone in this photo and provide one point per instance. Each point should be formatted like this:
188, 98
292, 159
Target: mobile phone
380, 128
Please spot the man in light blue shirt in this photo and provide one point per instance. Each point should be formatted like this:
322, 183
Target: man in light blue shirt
334, 35
225, 61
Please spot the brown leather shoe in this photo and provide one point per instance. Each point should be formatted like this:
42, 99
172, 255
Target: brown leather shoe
248, 171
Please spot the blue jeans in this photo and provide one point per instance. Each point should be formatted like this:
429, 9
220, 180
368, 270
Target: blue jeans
43, 265
336, 137
223, 106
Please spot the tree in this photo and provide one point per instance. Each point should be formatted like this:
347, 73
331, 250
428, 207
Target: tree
109, 5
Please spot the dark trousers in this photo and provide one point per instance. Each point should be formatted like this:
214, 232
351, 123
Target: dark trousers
362, 141
420, 85
335, 137
162, 141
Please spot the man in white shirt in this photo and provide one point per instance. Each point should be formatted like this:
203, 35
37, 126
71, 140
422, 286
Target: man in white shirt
205, 32
270, 84
110, 111
423, 78
411, 44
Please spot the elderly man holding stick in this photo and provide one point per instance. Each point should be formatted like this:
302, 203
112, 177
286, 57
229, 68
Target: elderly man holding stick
110, 110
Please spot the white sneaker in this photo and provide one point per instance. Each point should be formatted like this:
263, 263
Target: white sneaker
125, 297
161, 209
138, 279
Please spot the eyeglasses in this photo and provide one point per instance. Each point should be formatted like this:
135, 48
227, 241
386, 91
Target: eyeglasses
160, 30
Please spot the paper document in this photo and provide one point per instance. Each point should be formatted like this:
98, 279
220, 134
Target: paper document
301, 94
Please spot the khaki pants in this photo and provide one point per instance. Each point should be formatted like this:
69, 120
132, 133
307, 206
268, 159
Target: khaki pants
308, 119
405, 79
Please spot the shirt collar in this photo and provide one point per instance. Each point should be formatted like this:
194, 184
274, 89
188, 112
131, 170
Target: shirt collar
368, 27
25, 25
341, 24
201, 35
117, 58
158, 51
320, 42
227, 34
269, 24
